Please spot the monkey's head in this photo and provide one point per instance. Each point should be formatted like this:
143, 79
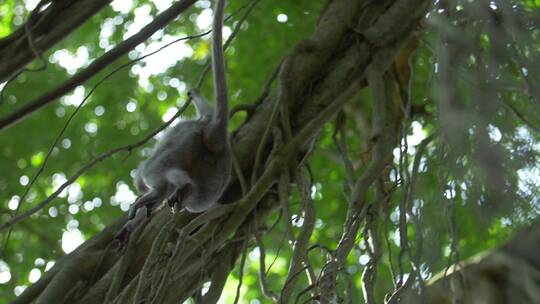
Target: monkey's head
194, 93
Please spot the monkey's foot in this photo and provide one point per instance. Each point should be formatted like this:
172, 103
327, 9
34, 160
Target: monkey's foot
175, 200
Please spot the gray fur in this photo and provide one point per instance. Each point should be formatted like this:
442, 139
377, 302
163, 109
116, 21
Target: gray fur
183, 170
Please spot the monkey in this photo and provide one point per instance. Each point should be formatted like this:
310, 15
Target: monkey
190, 166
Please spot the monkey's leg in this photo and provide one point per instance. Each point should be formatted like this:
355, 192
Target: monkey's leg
148, 200
140, 184
177, 199
181, 185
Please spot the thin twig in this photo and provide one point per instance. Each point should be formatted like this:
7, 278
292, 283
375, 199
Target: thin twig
349, 287
206, 217
282, 242
268, 83
248, 108
262, 143
283, 191
284, 97
279, 71
372, 244
236, 166
241, 271
263, 278
304, 291
415, 260
405, 182
299, 255
34, 49
283, 186
520, 115
341, 145
291, 277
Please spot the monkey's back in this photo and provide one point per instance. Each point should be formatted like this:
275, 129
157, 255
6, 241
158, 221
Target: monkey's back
183, 148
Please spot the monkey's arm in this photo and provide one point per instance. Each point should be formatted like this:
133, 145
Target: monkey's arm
139, 183
201, 104
149, 200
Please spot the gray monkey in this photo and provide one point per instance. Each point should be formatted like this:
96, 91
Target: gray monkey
190, 166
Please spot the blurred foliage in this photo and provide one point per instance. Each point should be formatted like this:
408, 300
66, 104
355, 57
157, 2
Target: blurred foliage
477, 183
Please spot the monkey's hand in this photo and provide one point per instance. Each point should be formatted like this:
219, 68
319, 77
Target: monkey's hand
175, 200
194, 93
148, 201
